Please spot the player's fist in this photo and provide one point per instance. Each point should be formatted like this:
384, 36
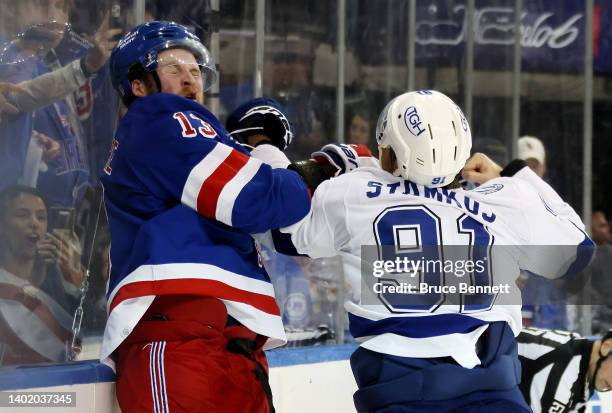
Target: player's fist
261, 116
344, 158
480, 169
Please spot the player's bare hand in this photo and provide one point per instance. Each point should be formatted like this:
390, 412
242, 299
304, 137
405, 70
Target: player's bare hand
480, 169
103, 44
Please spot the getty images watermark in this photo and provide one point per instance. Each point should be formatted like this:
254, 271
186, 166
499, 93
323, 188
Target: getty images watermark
418, 277
470, 269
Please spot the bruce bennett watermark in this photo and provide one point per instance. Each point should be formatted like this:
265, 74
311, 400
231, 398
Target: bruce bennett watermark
425, 288
401, 274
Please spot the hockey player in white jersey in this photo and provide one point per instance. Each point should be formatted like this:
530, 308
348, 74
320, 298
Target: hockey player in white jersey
424, 346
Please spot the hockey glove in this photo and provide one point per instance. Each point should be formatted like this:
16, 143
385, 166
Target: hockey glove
344, 158
261, 116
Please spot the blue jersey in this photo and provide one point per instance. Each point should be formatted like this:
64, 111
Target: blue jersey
97, 103
182, 199
67, 175
98, 106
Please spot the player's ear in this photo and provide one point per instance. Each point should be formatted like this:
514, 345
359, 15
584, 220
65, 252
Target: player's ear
388, 161
139, 88
606, 347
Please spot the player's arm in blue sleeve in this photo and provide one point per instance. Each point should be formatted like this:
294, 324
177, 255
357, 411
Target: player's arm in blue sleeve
183, 160
274, 240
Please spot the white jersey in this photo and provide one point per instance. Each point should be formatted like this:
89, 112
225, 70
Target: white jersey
370, 207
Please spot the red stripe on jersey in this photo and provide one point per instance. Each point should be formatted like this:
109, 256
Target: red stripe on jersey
214, 184
195, 286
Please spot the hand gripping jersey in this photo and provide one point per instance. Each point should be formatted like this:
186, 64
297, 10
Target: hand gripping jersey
399, 219
182, 198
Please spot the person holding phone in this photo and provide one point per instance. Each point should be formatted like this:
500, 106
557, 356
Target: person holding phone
38, 281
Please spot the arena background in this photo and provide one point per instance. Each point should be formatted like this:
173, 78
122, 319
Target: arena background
516, 67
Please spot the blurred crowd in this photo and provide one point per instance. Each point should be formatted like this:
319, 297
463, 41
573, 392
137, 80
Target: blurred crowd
559, 305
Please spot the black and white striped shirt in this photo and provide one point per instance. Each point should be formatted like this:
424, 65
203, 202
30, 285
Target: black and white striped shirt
554, 370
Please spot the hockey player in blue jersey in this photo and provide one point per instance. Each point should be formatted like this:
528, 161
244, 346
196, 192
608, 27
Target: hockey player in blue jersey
190, 305
424, 352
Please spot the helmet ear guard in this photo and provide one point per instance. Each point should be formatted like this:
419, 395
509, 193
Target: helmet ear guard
429, 135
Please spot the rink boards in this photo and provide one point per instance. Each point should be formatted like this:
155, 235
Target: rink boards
308, 379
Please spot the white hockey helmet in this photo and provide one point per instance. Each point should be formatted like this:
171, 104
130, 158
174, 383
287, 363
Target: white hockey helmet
429, 134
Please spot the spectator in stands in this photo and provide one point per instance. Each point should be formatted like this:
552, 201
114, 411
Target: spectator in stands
543, 300
531, 149
49, 75
40, 273
288, 64
360, 127
600, 228
601, 276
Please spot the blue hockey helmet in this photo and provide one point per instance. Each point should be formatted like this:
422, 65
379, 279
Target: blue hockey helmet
141, 46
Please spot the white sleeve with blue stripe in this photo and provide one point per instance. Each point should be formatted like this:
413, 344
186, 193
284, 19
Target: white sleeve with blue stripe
323, 231
557, 243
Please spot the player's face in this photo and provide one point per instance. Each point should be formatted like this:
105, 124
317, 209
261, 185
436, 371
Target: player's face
24, 224
180, 74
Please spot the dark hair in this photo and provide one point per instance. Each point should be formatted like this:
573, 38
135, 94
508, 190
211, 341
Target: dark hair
13, 191
138, 72
358, 110
363, 112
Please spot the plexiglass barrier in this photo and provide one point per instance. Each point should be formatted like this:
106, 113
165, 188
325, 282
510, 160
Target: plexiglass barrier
57, 126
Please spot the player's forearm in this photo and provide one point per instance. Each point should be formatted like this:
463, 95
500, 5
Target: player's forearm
46, 89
